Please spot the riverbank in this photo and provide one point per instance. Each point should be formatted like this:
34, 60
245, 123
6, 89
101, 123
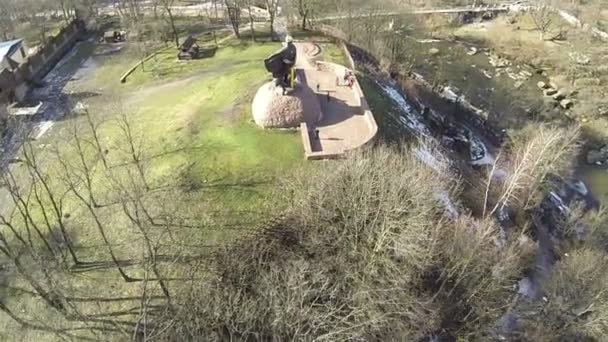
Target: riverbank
508, 77
412, 109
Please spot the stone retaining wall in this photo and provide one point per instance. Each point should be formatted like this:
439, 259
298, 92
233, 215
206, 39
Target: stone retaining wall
14, 84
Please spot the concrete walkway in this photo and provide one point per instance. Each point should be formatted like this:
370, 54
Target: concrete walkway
347, 122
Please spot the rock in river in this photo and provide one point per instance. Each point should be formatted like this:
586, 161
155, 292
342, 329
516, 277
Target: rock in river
598, 156
434, 51
550, 92
566, 103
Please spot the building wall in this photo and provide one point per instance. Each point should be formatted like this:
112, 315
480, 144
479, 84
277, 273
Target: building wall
19, 55
14, 85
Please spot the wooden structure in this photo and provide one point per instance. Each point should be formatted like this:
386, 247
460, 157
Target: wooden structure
189, 49
114, 36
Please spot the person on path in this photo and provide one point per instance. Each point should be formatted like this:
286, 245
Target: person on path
346, 75
351, 79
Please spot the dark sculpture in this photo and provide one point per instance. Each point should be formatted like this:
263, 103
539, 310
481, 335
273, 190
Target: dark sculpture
281, 64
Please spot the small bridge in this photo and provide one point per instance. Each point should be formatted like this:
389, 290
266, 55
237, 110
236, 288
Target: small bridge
496, 8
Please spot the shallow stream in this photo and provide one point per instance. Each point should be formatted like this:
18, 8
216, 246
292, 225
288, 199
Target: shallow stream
508, 92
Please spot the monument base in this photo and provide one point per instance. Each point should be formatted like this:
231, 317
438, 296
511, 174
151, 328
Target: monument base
272, 109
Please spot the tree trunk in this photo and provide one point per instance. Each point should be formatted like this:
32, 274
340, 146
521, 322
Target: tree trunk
272, 33
50, 298
172, 21
304, 18
251, 22
33, 165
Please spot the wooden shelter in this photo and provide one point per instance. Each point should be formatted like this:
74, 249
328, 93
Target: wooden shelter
189, 49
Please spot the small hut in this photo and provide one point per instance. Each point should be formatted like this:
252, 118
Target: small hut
114, 36
189, 49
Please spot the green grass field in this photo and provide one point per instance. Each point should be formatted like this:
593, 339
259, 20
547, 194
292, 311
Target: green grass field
204, 157
332, 53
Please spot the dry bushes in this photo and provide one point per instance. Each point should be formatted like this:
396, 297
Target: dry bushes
332, 270
516, 181
575, 302
370, 249
575, 306
366, 252
479, 274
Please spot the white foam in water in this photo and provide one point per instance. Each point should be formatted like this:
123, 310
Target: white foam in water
449, 94
425, 156
410, 119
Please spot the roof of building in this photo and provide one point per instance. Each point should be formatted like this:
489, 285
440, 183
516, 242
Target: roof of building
10, 46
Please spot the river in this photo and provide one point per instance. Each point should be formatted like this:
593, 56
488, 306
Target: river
400, 117
507, 92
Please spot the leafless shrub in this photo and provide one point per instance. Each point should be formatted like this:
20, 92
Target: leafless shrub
340, 266
479, 273
366, 251
537, 152
575, 305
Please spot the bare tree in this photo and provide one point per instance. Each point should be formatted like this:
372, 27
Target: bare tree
7, 17
213, 17
543, 17
52, 298
73, 181
251, 19
233, 11
305, 9
373, 22
67, 7
167, 8
56, 200
134, 208
94, 127
133, 149
272, 7
21, 199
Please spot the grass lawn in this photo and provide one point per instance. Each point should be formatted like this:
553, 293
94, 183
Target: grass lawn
195, 116
201, 149
205, 161
332, 53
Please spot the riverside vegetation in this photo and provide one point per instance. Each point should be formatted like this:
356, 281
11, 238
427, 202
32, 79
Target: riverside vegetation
162, 213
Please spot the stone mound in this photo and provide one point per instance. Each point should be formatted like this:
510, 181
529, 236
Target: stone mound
272, 109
